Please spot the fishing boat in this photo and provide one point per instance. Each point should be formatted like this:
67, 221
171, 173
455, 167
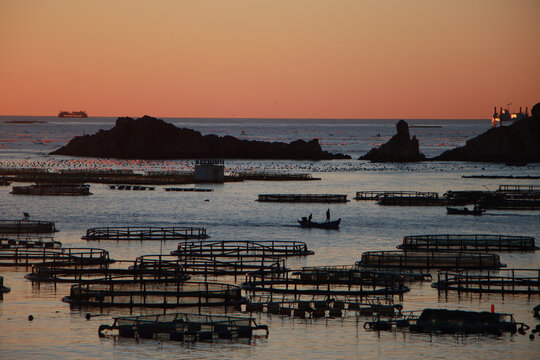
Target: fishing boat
307, 223
464, 211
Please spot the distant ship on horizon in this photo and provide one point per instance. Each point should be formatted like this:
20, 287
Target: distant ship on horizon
73, 114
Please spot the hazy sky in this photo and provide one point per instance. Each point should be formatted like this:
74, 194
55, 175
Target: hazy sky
269, 58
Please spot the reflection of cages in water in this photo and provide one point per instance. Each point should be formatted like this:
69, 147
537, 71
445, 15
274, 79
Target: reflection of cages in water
103, 273
242, 248
28, 241
504, 281
325, 198
211, 266
145, 233
26, 226
154, 295
28, 256
321, 306
468, 242
308, 285
429, 260
184, 326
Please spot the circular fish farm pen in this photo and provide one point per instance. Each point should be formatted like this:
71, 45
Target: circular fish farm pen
468, 242
26, 226
72, 256
123, 271
503, 281
180, 294
242, 248
347, 272
430, 260
208, 266
285, 284
183, 327
145, 233
28, 241
314, 306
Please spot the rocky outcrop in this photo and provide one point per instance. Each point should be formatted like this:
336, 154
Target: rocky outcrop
400, 148
151, 138
516, 143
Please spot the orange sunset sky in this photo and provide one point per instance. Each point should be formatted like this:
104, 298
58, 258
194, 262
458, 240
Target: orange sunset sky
269, 58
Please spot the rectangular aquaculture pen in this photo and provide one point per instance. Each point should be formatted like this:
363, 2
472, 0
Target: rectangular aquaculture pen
145, 233
26, 226
324, 198
378, 195
429, 260
503, 281
468, 242
242, 248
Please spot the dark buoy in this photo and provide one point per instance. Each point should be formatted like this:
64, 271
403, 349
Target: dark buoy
30, 317
531, 336
88, 316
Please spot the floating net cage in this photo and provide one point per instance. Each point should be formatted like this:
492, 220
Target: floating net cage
180, 294
145, 233
324, 198
378, 195
430, 260
28, 241
123, 271
317, 306
209, 266
295, 283
29, 256
242, 248
443, 321
184, 327
503, 281
26, 226
468, 242
350, 273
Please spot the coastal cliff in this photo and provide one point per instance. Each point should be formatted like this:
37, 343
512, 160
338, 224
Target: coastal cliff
151, 138
400, 148
518, 142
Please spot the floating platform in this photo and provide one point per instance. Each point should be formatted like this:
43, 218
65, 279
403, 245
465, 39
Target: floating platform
468, 242
308, 198
72, 256
145, 233
184, 327
180, 294
520, 191
213, 267
26, 227
272, 176
442, 321
503, 281
52, 189
378, 195
29, 242
430, 260
242, 248
188, 189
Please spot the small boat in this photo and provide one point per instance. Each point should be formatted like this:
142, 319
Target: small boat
307, 223
464, 211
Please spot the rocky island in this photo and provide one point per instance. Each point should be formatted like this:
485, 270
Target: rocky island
516, 143
151, 138
400, 148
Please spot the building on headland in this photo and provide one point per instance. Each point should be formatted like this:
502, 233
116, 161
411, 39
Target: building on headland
504, 115
210, 170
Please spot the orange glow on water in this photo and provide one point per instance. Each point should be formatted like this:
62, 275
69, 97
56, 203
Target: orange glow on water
242, 58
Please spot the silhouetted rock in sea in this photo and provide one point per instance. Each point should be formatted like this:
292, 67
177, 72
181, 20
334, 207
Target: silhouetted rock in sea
151, 138
516, 143
400, 148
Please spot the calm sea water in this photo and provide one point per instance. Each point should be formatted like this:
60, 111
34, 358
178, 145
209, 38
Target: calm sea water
231, 212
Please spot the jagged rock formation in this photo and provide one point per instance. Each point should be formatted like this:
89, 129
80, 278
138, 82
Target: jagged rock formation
151, 138
400, 148
516, 143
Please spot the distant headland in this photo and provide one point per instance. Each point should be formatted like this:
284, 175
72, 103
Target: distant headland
151, 138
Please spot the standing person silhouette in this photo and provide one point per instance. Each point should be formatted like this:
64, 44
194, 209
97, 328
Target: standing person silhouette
328, 215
